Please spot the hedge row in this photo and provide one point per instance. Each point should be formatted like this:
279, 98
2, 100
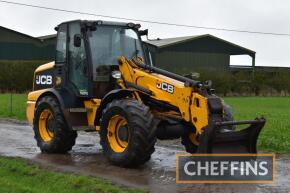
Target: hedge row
245, 84
17, 76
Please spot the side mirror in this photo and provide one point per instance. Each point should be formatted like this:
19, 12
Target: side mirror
77, 40
143, 32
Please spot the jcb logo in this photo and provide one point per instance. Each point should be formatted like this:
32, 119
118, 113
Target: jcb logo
166, 87
43, 79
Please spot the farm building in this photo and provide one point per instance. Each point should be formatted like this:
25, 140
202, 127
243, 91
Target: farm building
175, 54
17, 46
193, 53
203, 51
20, 55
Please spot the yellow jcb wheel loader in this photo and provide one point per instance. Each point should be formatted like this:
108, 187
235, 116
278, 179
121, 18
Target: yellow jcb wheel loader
103, 80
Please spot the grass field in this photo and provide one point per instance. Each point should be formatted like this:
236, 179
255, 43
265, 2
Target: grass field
17, 176
275, 136
18, 106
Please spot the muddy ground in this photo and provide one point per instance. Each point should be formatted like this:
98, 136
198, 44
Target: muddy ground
158, 175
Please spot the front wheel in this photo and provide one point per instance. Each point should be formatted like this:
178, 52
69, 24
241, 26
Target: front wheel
127, 133
51, 131
190, 141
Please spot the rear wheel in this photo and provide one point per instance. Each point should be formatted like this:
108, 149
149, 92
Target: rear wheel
51, 131
127, 133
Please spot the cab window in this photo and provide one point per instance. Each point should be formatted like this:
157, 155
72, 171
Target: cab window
78, 68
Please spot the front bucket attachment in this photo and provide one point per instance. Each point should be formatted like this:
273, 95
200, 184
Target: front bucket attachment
212, 140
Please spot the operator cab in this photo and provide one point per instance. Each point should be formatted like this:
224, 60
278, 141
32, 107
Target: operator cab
89, 52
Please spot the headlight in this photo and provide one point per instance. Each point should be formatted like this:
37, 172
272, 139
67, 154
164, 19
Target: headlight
116, 74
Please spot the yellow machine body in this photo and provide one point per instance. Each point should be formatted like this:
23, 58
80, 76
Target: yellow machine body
192, 106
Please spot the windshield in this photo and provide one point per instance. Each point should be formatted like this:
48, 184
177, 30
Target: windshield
107, 43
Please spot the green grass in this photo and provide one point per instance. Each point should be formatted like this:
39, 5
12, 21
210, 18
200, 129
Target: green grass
17, 176
274, 137
18, 106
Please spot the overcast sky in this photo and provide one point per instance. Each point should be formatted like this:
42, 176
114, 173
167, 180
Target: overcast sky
253, 15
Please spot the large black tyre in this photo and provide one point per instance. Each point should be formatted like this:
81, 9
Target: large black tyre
50, 128
228, 116
190, 147
140, 136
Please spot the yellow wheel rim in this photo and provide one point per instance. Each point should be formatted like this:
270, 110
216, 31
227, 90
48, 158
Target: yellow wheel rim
117, 126
45, 133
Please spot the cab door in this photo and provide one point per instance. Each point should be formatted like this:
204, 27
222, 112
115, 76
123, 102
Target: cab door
77, 61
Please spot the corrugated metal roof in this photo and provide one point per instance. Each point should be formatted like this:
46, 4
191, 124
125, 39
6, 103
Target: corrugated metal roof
19, 33
40, 38
161, 43
47, 37
169, 41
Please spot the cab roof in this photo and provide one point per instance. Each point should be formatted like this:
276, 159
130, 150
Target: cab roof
102, 22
